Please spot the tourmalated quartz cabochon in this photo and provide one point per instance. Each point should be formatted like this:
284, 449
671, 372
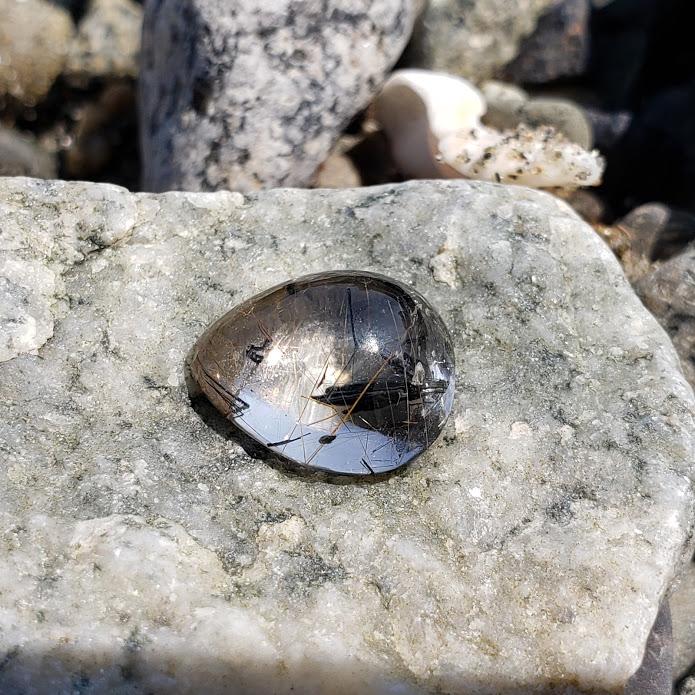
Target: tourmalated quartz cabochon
346, 372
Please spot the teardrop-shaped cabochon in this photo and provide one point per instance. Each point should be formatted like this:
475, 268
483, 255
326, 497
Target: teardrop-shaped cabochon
346, 372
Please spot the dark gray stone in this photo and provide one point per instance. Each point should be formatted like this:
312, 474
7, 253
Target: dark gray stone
669, 293
251, 95
563, 115
472, 38
559, 46
659, 232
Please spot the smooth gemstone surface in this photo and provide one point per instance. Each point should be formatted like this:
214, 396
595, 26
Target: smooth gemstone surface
346, 372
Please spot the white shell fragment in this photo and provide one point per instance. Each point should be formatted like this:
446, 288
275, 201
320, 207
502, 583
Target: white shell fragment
538, 157
433, 123
416, 108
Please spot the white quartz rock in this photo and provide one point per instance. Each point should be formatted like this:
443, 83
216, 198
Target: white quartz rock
433, 123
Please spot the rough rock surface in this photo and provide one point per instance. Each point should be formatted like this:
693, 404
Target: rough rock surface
142, 550
659, 232
473, 38
34, 39
237, 96
107, 41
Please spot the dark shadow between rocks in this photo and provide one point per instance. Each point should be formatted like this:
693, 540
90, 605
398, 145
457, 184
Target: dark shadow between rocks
655, 673
136, 666
226, 429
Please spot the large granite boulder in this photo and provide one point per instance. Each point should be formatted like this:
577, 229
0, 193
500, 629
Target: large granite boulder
144, 551
250, 95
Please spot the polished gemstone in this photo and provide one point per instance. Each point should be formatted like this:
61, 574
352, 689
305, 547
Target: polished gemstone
346, 372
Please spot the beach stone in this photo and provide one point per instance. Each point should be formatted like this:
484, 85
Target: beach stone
654, 676
558, 47
528, 550
669, 293
21, 155
659, 232
687, 687
107, 41
34, 36
261, 92
621, 34
563, 115
508, 106
472, 38
504, 103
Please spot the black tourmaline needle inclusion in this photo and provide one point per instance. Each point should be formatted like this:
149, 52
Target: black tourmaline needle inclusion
346, 372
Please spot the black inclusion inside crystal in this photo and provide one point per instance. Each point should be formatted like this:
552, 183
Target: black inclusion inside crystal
347, 372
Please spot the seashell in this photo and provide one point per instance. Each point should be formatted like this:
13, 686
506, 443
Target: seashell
432, 121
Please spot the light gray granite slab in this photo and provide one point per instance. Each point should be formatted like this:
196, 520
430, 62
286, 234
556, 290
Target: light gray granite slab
142, 550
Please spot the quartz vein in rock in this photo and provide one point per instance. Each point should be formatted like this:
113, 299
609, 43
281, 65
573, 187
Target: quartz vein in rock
142, 548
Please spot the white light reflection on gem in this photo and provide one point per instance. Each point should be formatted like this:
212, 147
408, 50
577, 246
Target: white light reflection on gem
371, 344
274, 357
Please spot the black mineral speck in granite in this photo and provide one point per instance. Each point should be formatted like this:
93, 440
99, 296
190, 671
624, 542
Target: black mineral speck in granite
348, 372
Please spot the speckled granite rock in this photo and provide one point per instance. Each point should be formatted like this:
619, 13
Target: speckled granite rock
473, 38
107, 41
261, 90
34, 39
142, 550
